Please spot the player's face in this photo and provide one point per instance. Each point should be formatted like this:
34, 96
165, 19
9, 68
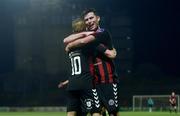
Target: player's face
91, 21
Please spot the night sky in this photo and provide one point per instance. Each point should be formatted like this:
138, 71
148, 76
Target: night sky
156, 35
6, 39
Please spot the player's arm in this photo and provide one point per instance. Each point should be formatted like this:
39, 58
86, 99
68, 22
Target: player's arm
80, 39
73, 37
170, 100
79, 42
85, 40
62, 84
107, 52
76, 36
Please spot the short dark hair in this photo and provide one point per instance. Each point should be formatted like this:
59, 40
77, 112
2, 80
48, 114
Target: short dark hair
86, 11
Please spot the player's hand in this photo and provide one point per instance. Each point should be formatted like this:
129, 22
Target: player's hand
61, 85
67, 48
112, 53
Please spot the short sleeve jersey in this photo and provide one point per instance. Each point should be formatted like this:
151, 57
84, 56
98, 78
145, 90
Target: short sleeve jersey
173, 99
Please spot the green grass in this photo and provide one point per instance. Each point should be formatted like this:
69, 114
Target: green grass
32, 113
147, 114
64, 114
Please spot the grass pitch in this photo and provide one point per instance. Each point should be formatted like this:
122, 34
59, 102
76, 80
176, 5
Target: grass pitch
64, 114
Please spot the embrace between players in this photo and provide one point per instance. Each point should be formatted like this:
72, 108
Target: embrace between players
93, 84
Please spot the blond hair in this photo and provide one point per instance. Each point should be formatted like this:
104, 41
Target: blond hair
78, 25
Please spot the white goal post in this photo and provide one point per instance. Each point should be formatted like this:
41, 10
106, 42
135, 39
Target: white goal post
161, 102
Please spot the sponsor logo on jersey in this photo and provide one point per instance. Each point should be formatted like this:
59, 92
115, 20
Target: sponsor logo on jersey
111, 102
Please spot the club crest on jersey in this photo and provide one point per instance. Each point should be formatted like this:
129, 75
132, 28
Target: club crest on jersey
111, 102
88, 103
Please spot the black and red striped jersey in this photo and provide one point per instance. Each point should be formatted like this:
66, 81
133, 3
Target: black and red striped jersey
172, 99
104, 68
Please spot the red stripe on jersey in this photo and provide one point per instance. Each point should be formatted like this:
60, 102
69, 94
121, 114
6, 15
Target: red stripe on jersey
96, 78
91, 67
101, 70
110, 74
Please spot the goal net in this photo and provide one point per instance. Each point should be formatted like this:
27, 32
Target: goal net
160, 102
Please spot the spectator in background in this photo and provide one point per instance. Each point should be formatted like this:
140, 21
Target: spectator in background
150, 103
172, 101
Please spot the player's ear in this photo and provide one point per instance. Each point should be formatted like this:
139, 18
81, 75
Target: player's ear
98, 18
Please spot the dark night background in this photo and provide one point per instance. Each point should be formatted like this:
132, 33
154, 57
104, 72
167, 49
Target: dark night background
157, 32
33, 61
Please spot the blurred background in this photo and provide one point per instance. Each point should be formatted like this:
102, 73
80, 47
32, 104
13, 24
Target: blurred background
145, 34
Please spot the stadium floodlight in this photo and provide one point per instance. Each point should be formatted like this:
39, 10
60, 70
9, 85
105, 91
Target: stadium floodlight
161, 102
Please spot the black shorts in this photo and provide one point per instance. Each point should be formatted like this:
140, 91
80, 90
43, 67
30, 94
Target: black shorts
108, 94
150, 105
173, 105
83, 101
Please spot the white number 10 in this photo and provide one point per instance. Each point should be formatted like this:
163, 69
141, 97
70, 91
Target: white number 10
76, 65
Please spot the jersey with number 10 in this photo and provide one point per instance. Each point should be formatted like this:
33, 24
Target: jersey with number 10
80, 78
